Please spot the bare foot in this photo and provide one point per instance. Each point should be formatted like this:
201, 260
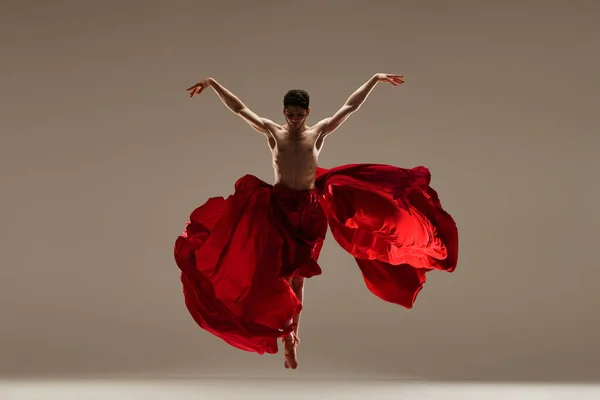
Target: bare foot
290, 344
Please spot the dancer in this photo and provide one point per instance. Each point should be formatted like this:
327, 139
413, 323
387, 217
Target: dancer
244, 259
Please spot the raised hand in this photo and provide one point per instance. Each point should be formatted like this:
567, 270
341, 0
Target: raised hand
199, 87
390, 78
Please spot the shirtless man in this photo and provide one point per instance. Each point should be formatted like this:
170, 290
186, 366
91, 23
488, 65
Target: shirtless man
295, 148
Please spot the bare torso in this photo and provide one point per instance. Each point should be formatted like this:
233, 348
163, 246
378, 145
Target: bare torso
295, 156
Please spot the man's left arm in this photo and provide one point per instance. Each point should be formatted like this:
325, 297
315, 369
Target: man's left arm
354, 102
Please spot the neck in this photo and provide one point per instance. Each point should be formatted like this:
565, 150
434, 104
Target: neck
296, 131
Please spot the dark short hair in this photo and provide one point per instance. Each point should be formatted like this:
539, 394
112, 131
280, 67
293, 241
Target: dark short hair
296, 97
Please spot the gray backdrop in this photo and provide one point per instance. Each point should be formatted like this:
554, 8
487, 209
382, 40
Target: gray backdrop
103, 156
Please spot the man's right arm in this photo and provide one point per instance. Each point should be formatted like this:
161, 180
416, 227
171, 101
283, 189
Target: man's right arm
260, 124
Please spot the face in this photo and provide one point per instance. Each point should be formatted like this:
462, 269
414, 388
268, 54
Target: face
295, 116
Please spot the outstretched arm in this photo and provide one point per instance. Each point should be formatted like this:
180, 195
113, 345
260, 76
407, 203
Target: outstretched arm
234, 104
354, 102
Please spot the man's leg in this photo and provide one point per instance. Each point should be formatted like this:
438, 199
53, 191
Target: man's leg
291, 341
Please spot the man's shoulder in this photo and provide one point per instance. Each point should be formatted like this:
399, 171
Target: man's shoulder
271, 124
319, 126
272, 127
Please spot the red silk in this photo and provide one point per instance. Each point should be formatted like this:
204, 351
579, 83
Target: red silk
236, 255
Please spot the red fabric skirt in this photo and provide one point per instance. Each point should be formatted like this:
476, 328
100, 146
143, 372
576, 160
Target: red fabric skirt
237, 254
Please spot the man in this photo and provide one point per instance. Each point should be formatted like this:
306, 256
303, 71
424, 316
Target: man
244, 259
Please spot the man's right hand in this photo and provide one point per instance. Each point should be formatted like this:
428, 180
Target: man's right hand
199, 87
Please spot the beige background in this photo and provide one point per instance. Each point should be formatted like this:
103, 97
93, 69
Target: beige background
103, 156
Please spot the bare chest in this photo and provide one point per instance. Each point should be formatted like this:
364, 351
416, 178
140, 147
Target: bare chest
285, 145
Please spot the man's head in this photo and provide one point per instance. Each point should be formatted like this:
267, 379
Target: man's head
296, 108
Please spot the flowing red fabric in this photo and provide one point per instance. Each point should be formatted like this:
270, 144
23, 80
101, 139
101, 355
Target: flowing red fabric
237, 254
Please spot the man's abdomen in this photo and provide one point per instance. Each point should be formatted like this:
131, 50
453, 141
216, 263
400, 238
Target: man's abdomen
296, 172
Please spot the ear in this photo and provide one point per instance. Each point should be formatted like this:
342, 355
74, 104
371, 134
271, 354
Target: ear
307, 111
